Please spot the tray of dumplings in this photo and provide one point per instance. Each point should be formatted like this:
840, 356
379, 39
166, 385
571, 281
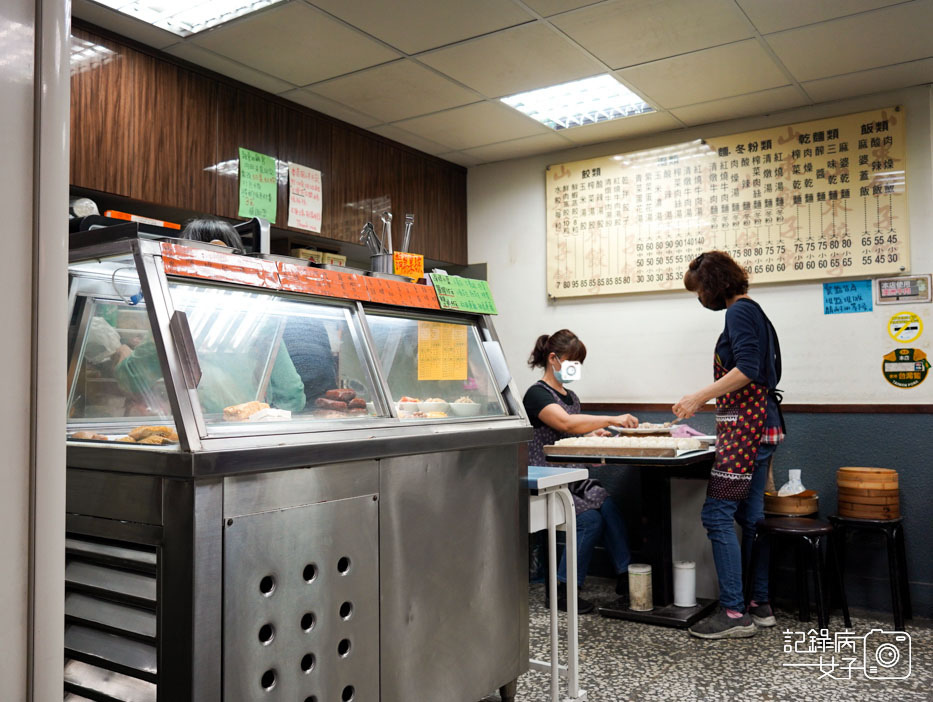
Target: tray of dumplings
660, 446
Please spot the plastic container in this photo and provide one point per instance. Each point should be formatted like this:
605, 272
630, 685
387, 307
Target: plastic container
685, 584
639, 587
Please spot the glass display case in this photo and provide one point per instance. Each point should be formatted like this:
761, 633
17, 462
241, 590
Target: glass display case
217, 352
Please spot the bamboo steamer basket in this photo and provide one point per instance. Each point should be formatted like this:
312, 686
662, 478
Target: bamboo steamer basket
806, 502
868, 493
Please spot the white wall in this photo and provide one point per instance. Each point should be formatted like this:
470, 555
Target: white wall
656, 347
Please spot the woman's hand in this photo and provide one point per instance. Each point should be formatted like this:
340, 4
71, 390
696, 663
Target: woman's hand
625, 420
688, 406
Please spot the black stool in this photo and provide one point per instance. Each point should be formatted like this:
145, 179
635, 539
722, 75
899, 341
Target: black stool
893, 530
810, 534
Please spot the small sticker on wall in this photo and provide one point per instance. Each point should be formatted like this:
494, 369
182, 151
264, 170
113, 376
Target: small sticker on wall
905, 368
904, 327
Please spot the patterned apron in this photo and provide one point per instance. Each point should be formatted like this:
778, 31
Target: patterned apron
587, 494
740, 423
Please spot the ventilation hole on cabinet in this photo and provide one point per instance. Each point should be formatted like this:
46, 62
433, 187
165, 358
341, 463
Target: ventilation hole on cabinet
343, 565
308, 621
266, 634
268, 680
346, 610
343, 648
309, 573
267, 585
307, 662
348, 693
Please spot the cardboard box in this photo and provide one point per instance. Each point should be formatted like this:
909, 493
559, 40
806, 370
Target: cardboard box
335, 259
308, 255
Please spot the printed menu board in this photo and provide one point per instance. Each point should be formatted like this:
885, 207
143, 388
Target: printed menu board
814, 200
442, 351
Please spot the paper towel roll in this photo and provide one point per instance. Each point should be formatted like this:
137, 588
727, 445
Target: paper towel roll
685, 584
639, 587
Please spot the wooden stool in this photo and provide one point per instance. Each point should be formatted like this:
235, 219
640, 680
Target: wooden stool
893, 530
809, 534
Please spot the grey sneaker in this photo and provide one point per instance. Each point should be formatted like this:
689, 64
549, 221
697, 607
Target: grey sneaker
721, 626
762, 615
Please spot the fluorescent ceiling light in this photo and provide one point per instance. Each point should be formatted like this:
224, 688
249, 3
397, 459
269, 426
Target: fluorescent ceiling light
588, 101
186, 17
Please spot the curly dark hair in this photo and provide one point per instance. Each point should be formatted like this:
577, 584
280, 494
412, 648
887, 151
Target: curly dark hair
716, 278
564, 343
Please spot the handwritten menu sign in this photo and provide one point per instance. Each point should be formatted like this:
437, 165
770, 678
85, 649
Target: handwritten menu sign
304, 197
814, 200
464, 294
258, 190
408, 264
846, 297
442, 351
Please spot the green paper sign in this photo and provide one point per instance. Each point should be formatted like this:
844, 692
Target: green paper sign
463, 294
258, 188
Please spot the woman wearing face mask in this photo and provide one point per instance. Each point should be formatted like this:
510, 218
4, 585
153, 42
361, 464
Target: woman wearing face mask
554, 412
749, 425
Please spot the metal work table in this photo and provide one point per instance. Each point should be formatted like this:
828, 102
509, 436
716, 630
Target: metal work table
656, 474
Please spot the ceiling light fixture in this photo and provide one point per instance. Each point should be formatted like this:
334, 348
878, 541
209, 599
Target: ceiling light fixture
186, 17
588, 101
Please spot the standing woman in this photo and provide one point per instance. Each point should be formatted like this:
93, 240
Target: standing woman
554, 412
749, 425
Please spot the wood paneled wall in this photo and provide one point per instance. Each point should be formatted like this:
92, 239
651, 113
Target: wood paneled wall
149, 127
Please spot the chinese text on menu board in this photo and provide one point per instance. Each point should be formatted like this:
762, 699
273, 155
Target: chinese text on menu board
815, 200
442, 351
258, 186
464, 294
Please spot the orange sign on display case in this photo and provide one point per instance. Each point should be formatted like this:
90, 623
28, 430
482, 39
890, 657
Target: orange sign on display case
218, 265
408, 264
395, 292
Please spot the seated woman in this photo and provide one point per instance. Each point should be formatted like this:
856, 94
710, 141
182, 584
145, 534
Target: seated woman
222, 383
554, 412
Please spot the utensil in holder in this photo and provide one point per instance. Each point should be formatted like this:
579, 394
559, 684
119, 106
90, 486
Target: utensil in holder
382, 263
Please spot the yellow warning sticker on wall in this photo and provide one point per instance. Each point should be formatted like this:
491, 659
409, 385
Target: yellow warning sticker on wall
905, 327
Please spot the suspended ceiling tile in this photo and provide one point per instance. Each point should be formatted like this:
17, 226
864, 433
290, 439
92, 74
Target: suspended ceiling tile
121, 24
760, 103
395, 91
296, 43
861, 42
514, 60
878, 80
624, 128
409, 139
460, 158
473, 125
519, 148
416, 25
231, 69
546, 8
712, 74
770, 16
329, 107
630, 32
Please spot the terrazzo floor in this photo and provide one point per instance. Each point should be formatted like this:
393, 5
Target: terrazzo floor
627, 661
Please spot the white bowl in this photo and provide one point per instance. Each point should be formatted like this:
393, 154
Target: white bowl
465, 409
408, 406
433, 406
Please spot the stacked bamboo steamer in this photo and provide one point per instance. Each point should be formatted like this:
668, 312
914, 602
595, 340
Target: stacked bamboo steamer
868, 493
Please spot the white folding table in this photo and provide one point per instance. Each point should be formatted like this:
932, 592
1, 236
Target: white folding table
551, 507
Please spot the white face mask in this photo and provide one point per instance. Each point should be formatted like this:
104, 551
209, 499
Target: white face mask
569, 372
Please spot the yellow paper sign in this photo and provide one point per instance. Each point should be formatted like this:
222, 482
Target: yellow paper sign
442, 351
408, 264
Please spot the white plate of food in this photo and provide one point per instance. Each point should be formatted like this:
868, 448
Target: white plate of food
465, 407
433, 404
